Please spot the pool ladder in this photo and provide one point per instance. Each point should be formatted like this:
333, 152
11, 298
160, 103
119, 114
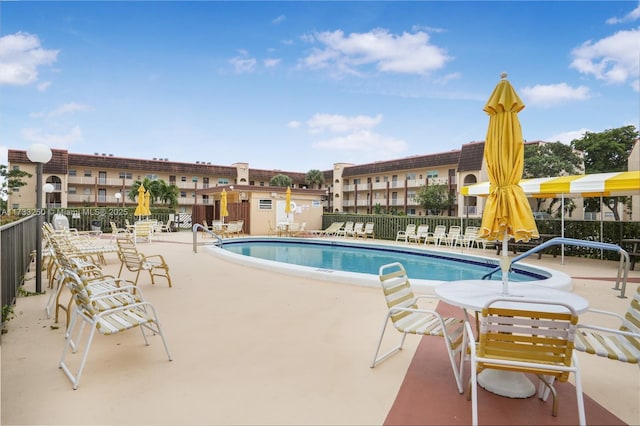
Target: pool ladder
623, 267
197, 227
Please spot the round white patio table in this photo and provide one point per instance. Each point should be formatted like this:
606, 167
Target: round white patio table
474, 294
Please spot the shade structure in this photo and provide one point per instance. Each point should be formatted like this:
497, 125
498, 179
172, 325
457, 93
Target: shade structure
592, 185
140, 210
507, 213
224, 212
287, 202
147, 203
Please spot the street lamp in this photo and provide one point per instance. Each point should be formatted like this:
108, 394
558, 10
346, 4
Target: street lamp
47, 188
40, 154
118, 197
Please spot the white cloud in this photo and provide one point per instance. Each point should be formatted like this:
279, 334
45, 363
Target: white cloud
20, 57
271, 62
567, 137
55, 141
389, 53
243, 64
42, 87
341, 124
279, 20
629, 17
67, 108
364, 141
551, 94
613, 59
294, 124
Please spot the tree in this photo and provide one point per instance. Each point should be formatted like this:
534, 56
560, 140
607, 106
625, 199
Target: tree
434, 198
281, 180
314, 177
10, 179
606, 151
550, 159
158, 189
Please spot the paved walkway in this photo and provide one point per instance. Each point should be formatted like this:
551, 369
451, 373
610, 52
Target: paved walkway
252, 347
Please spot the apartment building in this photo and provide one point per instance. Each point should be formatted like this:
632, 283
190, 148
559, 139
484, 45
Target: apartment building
81, 180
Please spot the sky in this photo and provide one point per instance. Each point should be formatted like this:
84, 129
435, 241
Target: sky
298, 85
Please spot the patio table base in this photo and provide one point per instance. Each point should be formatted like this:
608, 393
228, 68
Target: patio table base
506, 383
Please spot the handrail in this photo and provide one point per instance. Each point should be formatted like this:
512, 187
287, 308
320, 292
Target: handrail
623, 268
195, 229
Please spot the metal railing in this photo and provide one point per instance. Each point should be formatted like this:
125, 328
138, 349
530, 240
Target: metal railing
17, 241
623, 267
196, 228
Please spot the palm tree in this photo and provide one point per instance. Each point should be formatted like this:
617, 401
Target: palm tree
168, 193
314, 177
281, 180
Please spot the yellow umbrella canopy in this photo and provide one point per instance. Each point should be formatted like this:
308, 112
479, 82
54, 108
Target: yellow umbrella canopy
224, 212
507, 213
147, 204
287, 201
140, 211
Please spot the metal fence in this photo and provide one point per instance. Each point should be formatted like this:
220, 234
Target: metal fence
17, 241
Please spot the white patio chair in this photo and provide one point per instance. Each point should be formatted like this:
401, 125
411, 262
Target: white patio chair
407, 317
407, 233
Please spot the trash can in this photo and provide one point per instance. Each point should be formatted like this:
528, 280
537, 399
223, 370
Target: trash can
96, 225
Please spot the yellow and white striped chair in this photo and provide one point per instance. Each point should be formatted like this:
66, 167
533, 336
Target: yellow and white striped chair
407, 317
526, 336
622, 344
137, 262
105, 321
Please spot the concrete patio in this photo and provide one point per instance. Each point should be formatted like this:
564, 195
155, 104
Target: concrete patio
258, 347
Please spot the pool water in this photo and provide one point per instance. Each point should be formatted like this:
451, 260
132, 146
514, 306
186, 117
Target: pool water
343, 257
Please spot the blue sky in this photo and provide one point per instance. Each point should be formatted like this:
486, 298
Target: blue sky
302, 85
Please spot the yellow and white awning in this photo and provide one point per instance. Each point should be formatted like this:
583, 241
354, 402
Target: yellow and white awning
593, 185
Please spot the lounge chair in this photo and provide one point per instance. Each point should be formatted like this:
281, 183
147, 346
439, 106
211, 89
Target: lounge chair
407, 317
470, 237
143, 230
438, 235
330, 231
357, 228
137, 262
515, 335
115, 230
421, 234
367, 231
106, 322
409, 232
622, 344
451, 239
346, 229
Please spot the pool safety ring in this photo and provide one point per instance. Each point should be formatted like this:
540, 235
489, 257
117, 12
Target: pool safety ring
292, 206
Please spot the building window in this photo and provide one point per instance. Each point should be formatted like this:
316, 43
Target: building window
87, 173
172, 180
432, 173
261, 183
265, 204
71, 190
223, 181
183, 178
151, 177
411, 176
16, 167
183, 194
72, 172
377, 179
87, 191
125, 175
15, 206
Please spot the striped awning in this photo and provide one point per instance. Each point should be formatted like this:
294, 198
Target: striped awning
593, 185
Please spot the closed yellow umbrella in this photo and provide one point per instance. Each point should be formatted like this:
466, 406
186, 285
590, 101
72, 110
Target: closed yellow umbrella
140, 211
147, 204
224, 212
507, 212
287, 202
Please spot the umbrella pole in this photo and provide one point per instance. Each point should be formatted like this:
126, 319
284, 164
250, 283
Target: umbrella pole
505, 263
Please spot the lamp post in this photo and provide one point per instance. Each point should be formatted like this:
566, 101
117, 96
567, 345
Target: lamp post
195, 189
40, 154
118, 197
48, 189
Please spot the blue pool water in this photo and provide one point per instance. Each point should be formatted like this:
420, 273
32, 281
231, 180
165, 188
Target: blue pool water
438, 266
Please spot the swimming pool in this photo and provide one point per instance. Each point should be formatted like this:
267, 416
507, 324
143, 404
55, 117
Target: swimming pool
358, 262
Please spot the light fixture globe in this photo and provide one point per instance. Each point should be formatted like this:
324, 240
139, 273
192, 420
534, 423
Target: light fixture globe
118, 196
39, 153
48, 187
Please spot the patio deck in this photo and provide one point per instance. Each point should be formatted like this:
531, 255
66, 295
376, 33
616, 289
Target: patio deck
258, 347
